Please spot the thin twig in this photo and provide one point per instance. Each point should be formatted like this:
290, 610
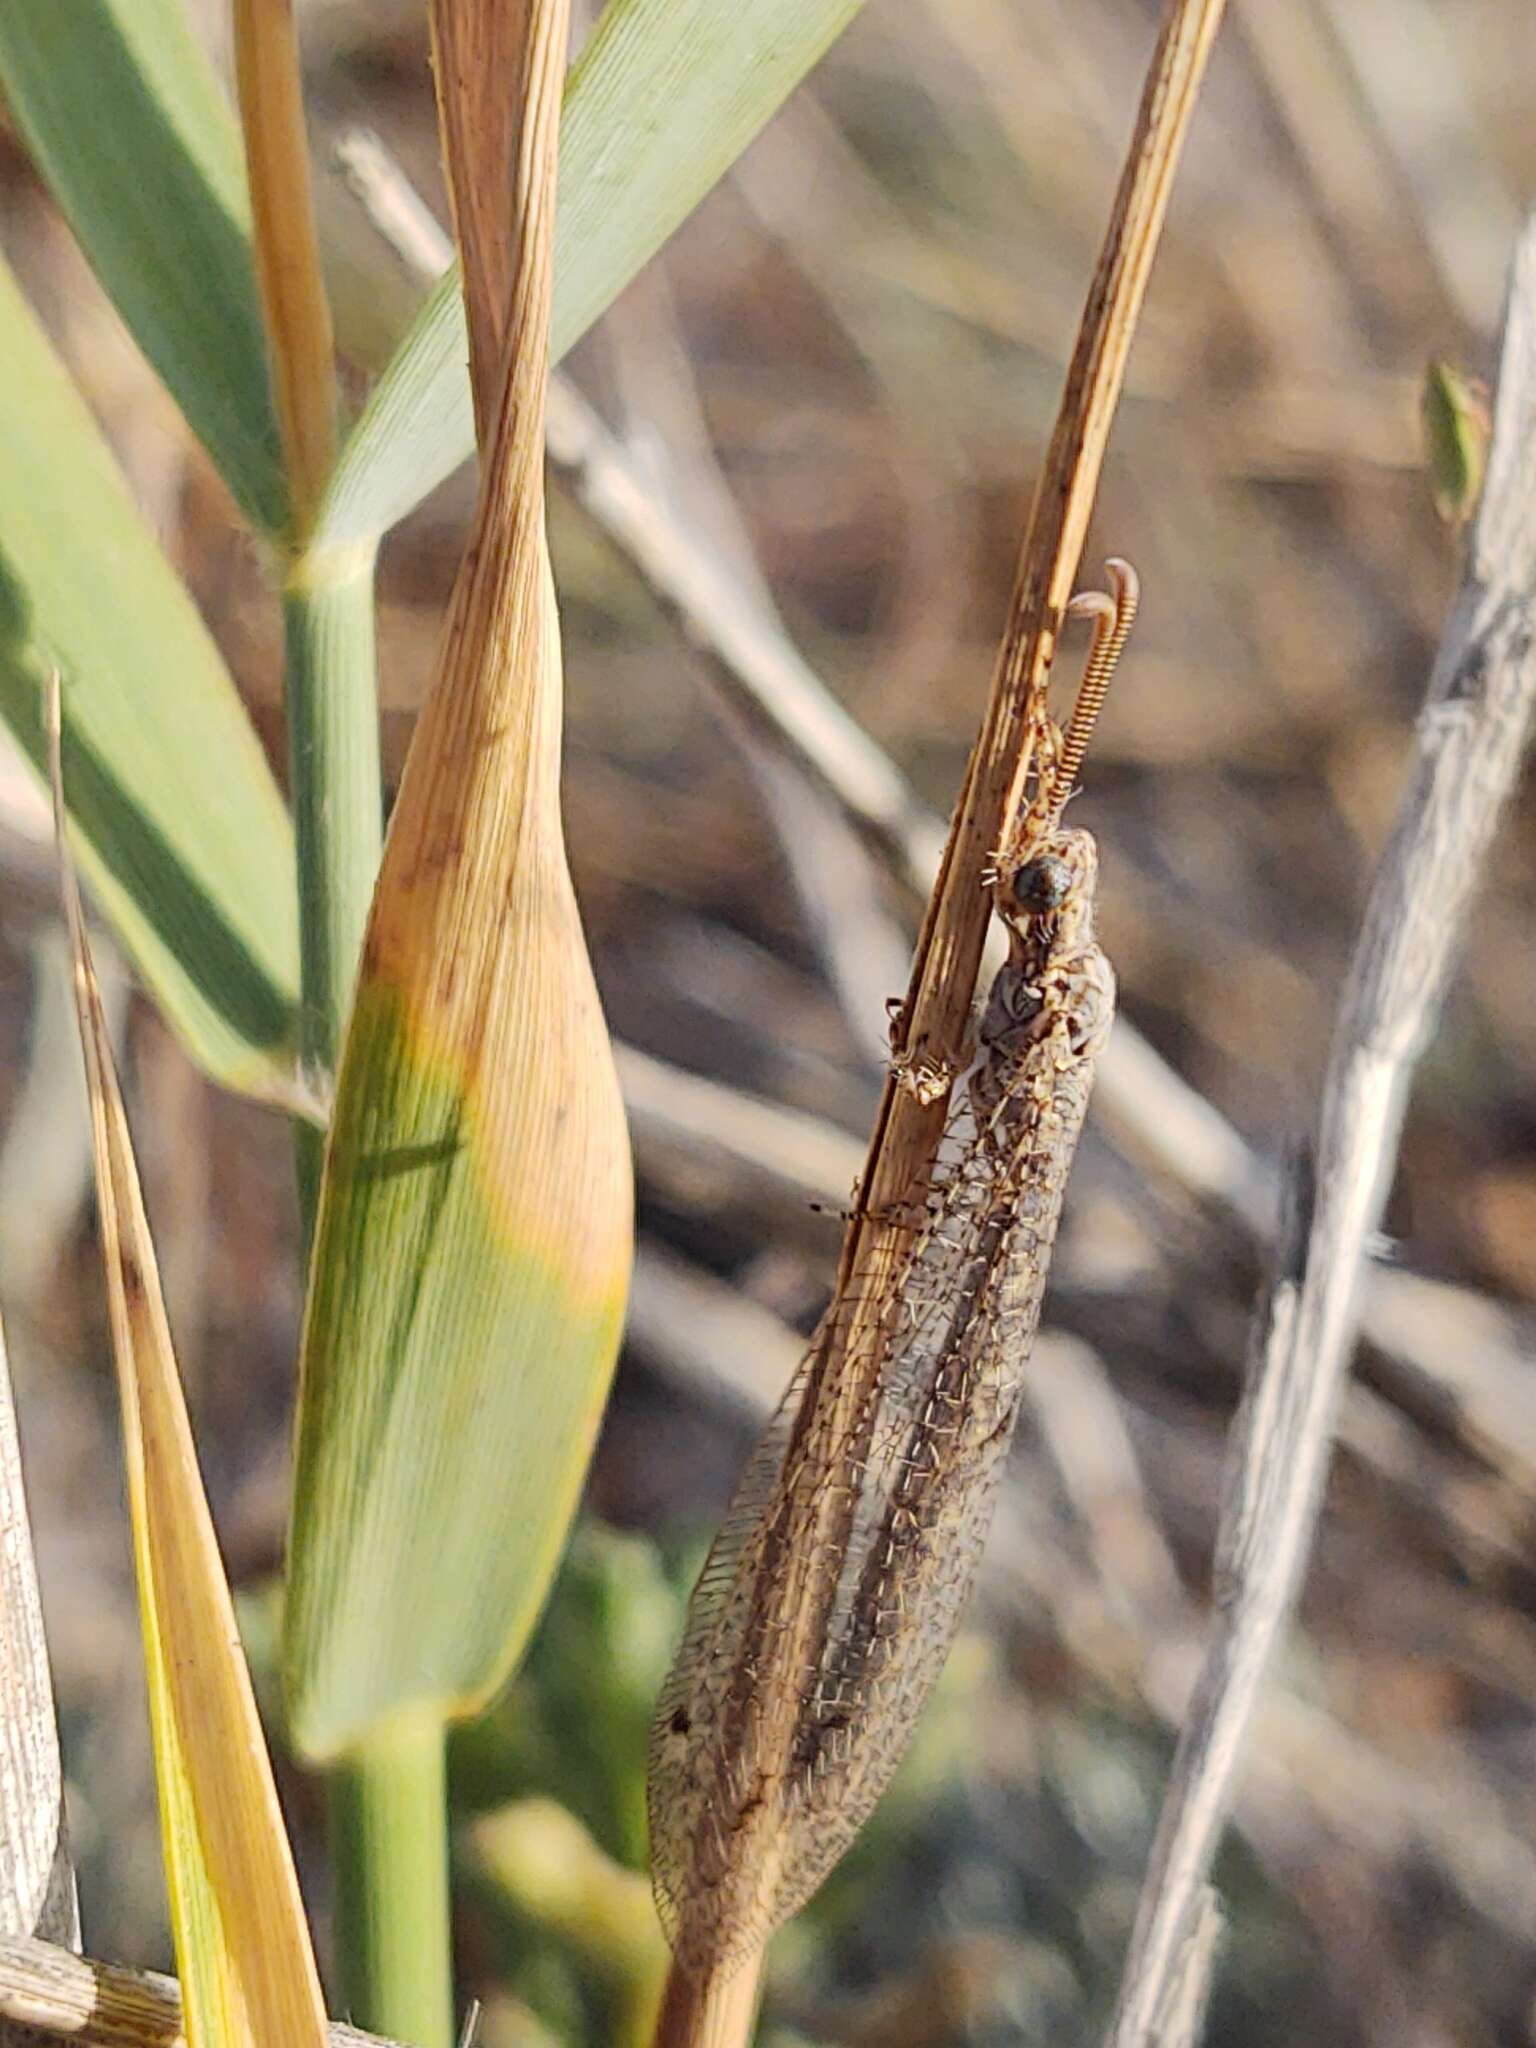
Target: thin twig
1470, 741
1183, 2018
950, 946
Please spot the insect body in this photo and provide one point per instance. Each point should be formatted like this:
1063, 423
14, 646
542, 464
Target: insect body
828, 1604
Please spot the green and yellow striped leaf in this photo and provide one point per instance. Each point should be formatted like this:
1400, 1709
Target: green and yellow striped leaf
473, 1238
242, 1947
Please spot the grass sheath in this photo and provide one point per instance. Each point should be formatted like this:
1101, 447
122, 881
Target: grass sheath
330, 672
331, 696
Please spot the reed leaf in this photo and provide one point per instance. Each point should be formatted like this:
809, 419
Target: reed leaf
183, 834
247, 1970
472, 1244
125, 120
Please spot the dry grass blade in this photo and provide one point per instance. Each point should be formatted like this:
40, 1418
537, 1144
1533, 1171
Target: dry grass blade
936, 1014
1471, 740
474, 1235
479, 51
241, 1938
950, 948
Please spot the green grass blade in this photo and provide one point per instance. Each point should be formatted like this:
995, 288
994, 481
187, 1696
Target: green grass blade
183, 835
125, 121
666, 96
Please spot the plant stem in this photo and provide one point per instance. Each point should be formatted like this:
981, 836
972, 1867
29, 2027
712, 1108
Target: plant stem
389, 1808
333, 752
389, 1818
296, 313
715, 2013
389, 1851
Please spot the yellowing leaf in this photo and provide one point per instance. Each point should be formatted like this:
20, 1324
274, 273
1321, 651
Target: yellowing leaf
247, 1970
472, 1244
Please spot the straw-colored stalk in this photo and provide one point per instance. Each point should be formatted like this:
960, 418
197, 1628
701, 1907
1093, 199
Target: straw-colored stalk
297, 317
934, 1020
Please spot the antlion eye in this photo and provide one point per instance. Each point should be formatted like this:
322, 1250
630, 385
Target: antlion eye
1042, 884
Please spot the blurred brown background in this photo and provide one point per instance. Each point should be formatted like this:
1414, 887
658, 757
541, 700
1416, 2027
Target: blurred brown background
843, 372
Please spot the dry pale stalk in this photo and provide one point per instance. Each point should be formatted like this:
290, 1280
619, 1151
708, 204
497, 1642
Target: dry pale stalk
54, 1995
298, 318
1471, 741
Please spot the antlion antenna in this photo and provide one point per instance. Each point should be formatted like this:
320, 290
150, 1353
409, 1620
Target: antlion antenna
1113, 617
